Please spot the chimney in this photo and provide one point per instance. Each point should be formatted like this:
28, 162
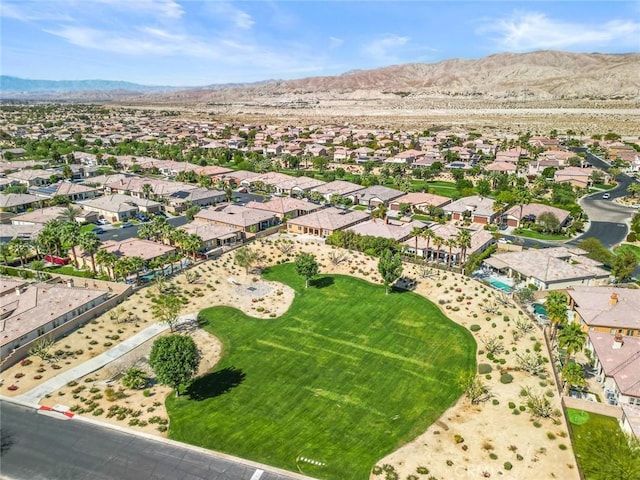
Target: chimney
70, 283
20, 289
613, 299
618, 341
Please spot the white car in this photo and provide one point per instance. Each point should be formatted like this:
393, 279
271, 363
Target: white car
605, 196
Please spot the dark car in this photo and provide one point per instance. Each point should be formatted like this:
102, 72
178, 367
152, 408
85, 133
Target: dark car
126, 225
142, 218
98, 230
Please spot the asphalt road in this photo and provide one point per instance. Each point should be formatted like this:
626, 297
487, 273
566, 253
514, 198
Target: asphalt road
39, 447
118, 234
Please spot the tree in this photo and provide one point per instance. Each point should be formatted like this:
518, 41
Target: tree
191, 212
307, 266
107, 260
380, 212
571, 339
70, 232
146, 190
20, 249
464, 242
596, 251
623, 266
166, 308
244, 258
390, 268
428, 235
174, 360
450, 243
483, 187
549, 222
573, 376
90, 244
557, 309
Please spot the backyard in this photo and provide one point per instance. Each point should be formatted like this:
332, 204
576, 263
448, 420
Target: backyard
344, 377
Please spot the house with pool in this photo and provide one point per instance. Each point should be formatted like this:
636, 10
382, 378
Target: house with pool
548, 268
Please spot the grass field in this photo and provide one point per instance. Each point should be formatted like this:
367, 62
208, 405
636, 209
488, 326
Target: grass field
346, 376
632, 248
540, 236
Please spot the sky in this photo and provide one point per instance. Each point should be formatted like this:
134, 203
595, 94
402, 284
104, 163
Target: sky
204, 42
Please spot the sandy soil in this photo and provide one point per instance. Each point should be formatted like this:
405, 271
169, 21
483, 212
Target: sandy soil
536, 451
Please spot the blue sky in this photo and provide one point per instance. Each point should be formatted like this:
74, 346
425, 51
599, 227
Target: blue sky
198, 42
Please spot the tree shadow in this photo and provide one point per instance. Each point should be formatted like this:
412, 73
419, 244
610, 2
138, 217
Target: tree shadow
322, 282
216, 383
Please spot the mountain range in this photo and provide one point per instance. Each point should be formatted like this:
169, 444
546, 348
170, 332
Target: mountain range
542, 75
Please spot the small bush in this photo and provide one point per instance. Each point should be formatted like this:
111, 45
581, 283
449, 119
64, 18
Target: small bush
507, 466
495, 401
519, 457
146, 393
422, 470
474, 327
551, 436
484, 368
512, 405
458, 438
493, 456
562, 446
506, 378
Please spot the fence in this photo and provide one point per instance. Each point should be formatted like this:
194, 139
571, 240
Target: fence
593, 407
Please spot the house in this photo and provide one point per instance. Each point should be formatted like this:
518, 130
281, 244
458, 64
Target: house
476, 208
248, 220
323, 223
180, 200
426, 248
550, 268
341, 188
29, 311
295, 186
39, 216
576, 176
514, 216
237, 178
617, 363
390, 229
73, 191
606, 309
375, 195
630, 420
18, 202
31, 178
419, 202
285, 207
501, 166
214, 236
132, 247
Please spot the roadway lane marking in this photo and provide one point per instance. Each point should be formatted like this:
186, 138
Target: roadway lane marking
257, 474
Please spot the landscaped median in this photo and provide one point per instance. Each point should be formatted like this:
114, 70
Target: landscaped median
345, 377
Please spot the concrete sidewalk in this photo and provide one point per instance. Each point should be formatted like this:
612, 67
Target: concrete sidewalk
34, 395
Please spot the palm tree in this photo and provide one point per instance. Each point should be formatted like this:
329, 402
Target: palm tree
464, 242
573, 376
20, 249
428, 234
90, 244
146, 190
107, 260
191, 244
136, 264
416, 232
451, 243
70, 214
437, 242
571, 338
146, 231
522, 197
557, 309
50, 237
380, 212
5, 251
70, 235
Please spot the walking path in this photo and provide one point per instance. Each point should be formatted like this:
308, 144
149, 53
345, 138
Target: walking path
34, 395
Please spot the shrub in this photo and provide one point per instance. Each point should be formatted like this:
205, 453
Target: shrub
458, 438
632, 237
495, 401
377, 470
18, 375
493, 456
512, 405
97, 412
474, 327
507, 466
506, 378
562, 446
551, 436
146, 393
422, 470
519, 457
484, 368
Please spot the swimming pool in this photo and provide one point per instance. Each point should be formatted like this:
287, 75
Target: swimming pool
497, 284
539, 309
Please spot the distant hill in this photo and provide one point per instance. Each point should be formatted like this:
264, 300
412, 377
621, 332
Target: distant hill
542, 75
15, 87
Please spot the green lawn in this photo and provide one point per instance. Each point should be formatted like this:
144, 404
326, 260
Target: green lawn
346, 376
87, 228
540, 236
624, 247
70, 270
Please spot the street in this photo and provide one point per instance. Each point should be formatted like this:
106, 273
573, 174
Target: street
118, 234
37, 446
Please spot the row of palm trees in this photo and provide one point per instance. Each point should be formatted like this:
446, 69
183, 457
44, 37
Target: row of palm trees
462, 241
62, 235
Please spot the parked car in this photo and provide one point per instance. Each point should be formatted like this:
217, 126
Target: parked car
161, 214
98, 230
102, 221
142, 218
126, 225
605, 196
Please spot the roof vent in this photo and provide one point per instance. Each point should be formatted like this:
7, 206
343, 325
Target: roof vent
613, 299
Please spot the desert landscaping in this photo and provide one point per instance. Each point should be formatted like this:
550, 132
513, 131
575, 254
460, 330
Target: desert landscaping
463, 443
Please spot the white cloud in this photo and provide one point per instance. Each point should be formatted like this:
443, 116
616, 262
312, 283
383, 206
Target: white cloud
525, 31
238, 18
385, 48
335, 42
162, 8
32, 11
